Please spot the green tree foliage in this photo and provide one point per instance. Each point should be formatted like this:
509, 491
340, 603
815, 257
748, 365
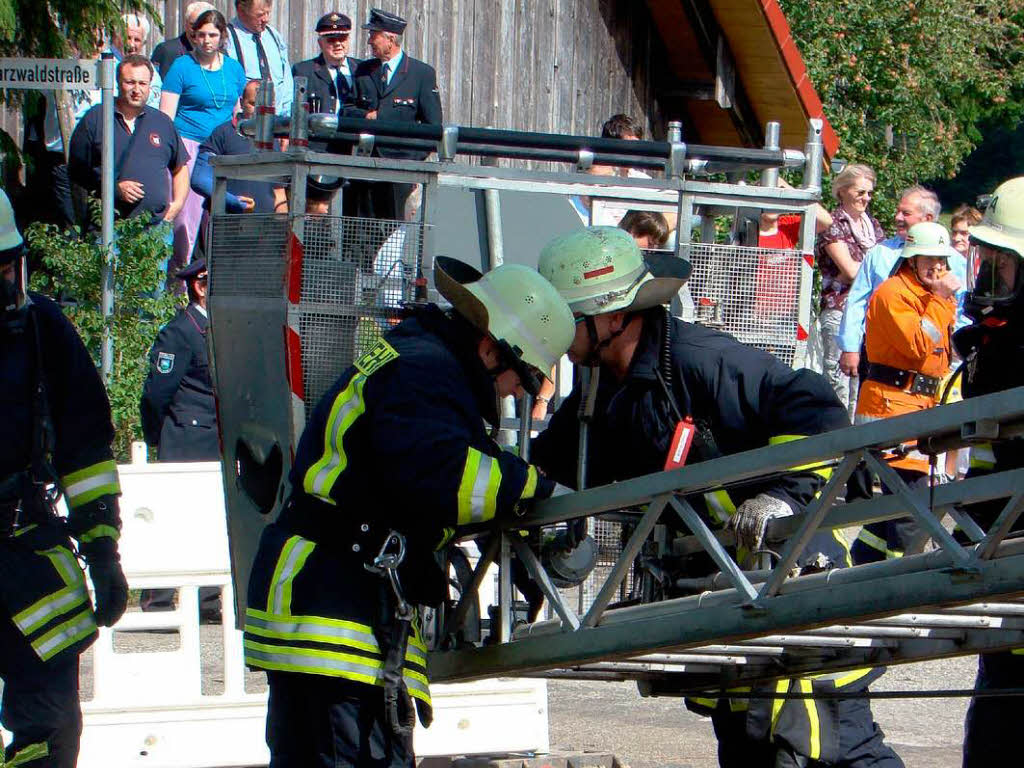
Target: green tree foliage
906, 84
72, 266
53, 29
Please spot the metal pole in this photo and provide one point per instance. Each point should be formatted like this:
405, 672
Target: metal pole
770, 176
107, 222
814, 155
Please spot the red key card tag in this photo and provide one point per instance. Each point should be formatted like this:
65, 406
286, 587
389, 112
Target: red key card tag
681, 442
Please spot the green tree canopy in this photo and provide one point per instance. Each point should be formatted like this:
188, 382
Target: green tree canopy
906, 84
52, 29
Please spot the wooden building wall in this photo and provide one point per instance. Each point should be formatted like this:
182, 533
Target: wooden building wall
562, 66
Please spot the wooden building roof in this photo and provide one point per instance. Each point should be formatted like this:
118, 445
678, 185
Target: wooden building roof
710, 42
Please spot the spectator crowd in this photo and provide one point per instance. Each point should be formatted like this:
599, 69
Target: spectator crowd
180, 106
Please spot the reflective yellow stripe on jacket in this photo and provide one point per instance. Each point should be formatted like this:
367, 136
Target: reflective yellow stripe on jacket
58, 605
91, 482
878, 544
276, 639
348, 406
982, 456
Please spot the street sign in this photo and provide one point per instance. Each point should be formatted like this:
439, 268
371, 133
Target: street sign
50, 74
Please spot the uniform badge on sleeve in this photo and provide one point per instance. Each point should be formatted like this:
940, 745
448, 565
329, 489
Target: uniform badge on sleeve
165, 362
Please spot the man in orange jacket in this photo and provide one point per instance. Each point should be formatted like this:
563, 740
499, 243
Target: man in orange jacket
907, 334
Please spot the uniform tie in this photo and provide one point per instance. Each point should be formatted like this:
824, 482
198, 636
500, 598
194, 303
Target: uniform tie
384, 75
261, 54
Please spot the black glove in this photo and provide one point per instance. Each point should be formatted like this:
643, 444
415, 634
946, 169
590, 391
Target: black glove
107, 579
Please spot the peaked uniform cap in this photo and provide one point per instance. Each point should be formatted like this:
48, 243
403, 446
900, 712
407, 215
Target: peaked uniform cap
601, 269
333, 22
1002, 226
512, 303
385, 22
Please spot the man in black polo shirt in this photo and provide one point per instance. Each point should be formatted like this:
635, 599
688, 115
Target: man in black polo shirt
146, 147
244, 196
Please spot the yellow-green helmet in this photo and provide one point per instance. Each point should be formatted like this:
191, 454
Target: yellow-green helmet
601, 269
513, 304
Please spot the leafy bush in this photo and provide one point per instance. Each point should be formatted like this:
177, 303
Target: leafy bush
71, 270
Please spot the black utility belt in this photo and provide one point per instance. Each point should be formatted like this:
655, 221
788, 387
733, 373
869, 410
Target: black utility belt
912, 382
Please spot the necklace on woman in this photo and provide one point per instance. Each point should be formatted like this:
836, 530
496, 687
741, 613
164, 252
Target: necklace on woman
223, 82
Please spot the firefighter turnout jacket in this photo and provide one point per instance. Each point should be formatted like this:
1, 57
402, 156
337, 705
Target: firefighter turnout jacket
908, 330
746, 399
398, 443
57, 431
989, 350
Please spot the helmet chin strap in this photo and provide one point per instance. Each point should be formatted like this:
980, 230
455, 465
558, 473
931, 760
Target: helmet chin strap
597, 344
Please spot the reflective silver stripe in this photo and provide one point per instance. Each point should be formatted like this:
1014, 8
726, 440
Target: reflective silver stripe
310, 660
481, 487
301, 628
49, 608
280, 590
66, 634
982, 456
929, 328
320, 478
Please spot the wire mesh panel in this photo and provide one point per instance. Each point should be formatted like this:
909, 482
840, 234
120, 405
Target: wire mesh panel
750, 293
248, 256
355, 275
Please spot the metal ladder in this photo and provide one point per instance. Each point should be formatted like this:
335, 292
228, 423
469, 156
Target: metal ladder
954, 600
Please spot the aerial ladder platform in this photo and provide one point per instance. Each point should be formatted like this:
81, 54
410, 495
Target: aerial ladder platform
296, 298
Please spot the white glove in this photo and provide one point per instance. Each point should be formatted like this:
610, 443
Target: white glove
752, 517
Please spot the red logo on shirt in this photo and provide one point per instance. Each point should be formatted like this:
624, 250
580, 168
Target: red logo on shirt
154, 139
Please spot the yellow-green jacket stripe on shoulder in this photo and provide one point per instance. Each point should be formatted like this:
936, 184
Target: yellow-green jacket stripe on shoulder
89, 483
348, 406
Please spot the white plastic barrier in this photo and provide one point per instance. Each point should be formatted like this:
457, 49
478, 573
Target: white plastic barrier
148, 707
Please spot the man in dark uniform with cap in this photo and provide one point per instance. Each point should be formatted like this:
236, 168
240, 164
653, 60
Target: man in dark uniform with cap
331, 75
179, 416
394, 86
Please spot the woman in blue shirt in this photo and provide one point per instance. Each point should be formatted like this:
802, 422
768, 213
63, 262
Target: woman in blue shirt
200, 92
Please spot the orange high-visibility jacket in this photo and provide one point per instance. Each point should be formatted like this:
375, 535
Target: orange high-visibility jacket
906, 327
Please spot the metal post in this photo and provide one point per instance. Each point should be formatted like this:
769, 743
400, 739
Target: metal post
298, 132
813, 155
264, 138
107, 222
770, 176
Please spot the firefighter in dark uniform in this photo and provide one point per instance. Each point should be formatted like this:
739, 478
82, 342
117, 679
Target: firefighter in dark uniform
395, 459
57, 436
655, 371
179, 415
394, 87
995, 301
